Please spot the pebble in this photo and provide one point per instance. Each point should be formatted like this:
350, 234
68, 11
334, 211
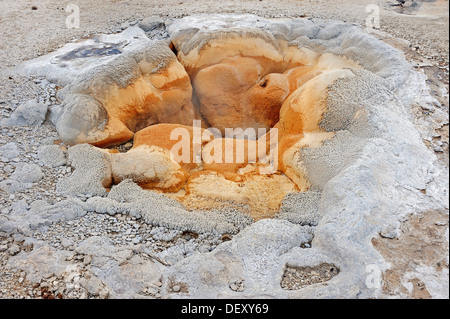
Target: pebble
66, 243
176, 288
14, 249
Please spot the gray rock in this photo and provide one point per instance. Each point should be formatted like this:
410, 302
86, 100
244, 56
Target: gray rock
42, 262
390, 231
405, 6
66, 210
51, 155
82, 115
31, 113
27, 173
124, 274
178, 252
164, 234
39, 215
65, 65
176, 288
93, 285
11, 186
9, 151
23, 177
14, 249
66, 243
151, 23
8, 169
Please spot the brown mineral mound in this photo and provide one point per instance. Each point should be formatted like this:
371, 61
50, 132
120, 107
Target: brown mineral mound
138, 90
239, 85
236, 93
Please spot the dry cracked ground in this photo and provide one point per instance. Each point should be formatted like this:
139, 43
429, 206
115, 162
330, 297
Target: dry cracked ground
69, 252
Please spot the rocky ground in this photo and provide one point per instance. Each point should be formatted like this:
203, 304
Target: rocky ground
133, 248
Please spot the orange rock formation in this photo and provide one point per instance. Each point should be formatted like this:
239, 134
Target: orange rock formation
237, 82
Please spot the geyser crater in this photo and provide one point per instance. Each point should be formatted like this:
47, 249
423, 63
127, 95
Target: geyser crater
351, 164
235, 79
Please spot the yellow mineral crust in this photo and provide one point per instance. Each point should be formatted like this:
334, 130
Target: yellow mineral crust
261, 194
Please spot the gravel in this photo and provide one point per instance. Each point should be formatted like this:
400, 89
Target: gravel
295, 278
123, 230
